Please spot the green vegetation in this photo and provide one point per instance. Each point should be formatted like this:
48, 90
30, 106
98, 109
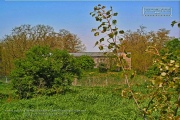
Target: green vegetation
170, 51
44, 71
41, 78
82, 103
102, 68
163, 90
86, 62
14, 45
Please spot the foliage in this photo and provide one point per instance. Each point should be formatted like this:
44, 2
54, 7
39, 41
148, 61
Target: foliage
102, 68
162, 95
152, 71
23, 37
166, 82
107, 27
137, 42
86, 62
81, 103
175, 22
165, 89
43, 71
172, 49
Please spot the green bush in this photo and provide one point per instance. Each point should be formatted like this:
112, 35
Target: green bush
153, 70
86, 62
102, 68
44, 71
171, 50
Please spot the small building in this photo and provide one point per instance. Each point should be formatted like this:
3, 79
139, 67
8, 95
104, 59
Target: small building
101, 57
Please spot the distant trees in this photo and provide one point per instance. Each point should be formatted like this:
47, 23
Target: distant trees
137, 42
24, 37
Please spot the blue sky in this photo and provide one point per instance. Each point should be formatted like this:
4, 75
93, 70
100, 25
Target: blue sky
74, 16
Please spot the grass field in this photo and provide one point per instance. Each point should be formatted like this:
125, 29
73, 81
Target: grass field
80, 103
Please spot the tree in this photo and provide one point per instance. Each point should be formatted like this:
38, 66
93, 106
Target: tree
165, 92
44, 71
137, 42
24, 37
161, 90
71, 42
86, 62
172, 48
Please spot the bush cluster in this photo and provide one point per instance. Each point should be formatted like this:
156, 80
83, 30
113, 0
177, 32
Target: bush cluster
171, 50
86, 62
44, 71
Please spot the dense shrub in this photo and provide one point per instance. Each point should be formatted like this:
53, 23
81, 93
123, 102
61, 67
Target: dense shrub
86, 62
44, 71
153, 70
102, 68
171, 50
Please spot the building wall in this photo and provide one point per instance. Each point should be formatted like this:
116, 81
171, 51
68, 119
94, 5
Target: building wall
106, 60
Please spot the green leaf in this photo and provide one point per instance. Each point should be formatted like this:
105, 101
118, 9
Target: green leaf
104, 29
173, 22
114, 51
179, 25
96, 43
96, 34
115, 33
114, 22
132, 75
111, 35
110, 46
100, 47
99, 26
97, 18
121, 31
95, 8
103, 7
93, 15
115, 14
103, 23
115, 29
93, 30
108, 12
102, 39
120, 39
125, 51
128, 55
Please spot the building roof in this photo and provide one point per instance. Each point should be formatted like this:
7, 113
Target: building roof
92, 54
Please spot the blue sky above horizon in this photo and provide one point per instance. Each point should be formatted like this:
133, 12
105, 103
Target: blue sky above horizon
74, 16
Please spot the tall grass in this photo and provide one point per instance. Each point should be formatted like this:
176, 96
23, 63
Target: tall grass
80, 104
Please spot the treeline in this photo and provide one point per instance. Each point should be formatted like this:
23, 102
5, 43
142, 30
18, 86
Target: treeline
22, 38
139, 41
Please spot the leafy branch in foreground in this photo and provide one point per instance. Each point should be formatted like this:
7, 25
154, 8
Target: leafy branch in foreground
112, 36
166, 82
164, 87
175, 22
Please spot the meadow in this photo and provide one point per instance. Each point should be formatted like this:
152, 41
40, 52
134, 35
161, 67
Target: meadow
82, 102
